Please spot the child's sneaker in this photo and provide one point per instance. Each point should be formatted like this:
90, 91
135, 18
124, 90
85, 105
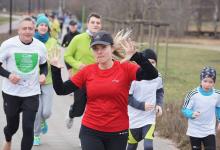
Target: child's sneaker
69, 122
37, 141
44, 127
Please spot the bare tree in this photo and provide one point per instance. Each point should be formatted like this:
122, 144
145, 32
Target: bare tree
216, 16
178, 13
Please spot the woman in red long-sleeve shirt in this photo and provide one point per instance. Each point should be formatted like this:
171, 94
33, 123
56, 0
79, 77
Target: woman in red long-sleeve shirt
105, 122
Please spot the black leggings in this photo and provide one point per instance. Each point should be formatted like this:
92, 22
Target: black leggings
13, 105
96, 140
208, 142
78, 107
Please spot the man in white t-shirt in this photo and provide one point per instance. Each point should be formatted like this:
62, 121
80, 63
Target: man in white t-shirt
22, 56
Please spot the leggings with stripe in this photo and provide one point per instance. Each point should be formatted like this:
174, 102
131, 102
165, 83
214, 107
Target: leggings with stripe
138, 134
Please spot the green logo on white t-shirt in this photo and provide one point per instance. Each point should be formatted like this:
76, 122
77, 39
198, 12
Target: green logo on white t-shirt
26, 62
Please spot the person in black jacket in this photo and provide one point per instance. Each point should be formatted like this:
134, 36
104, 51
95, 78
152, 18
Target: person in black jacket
68, 37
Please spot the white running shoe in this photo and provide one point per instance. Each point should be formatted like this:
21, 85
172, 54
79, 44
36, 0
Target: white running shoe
80, 144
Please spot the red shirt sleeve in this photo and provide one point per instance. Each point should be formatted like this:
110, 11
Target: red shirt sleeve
132, 70
79, 78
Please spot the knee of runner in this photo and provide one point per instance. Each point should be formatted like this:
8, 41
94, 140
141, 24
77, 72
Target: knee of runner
46, 115
28, 129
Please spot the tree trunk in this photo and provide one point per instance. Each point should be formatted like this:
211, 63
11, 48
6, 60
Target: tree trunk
216, 17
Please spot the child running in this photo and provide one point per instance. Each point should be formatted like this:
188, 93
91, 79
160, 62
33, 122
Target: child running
144, 97
201, 107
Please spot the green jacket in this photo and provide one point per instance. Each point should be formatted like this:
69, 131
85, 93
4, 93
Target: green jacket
79, 52
49, 45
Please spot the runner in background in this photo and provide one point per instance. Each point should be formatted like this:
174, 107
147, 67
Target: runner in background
67, 39
201, 107
78, 55
54, 26
46, 96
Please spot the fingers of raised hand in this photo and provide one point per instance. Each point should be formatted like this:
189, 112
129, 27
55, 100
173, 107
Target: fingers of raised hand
54, 52
128, 46
120, 37
54, 56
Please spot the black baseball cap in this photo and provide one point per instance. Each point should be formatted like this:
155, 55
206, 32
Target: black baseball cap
103, 38
72, 23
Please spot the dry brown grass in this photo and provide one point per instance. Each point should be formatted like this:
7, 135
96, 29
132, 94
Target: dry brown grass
173, 125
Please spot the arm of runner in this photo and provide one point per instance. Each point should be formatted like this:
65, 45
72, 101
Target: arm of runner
136, 104
11, 76
159, 97
43, 73
69, 55
218, 113
60, 87
187, 107
3, 72
146, 71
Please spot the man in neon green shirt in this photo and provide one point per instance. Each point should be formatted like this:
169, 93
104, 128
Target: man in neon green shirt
79, 54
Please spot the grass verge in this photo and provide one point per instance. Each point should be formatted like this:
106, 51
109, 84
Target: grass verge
3, 20
183, 73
